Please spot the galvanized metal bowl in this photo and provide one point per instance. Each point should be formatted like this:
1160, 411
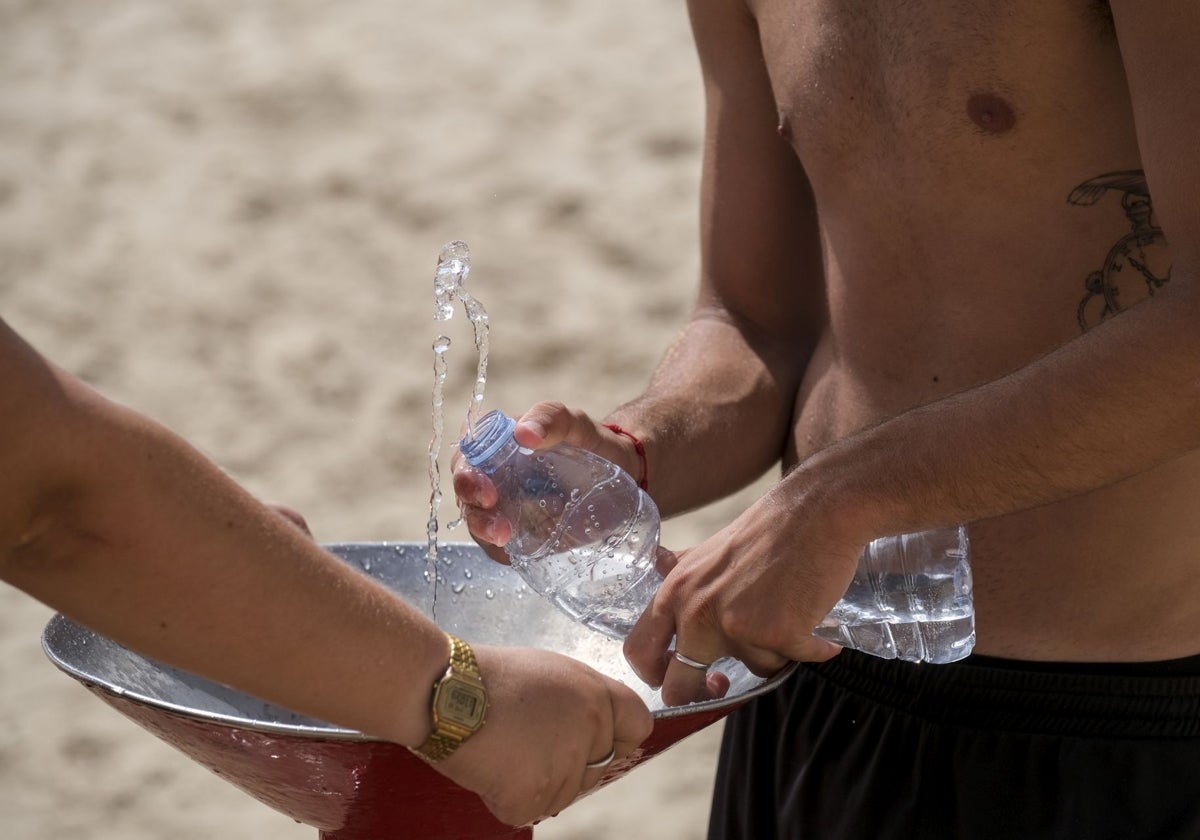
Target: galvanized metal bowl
347, 785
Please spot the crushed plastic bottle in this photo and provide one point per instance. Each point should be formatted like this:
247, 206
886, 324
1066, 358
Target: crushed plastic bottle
585, 536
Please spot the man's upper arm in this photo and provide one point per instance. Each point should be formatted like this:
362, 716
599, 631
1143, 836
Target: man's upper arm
760, 252
1159, 46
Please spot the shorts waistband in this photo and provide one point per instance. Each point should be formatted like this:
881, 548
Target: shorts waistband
1123, 700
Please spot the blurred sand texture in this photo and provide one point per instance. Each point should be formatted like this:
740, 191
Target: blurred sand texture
226, 216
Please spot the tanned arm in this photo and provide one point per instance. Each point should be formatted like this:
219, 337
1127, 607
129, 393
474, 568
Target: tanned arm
727, 386
120, 524
1119, 400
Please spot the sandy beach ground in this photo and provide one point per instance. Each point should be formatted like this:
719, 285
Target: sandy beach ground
226, 216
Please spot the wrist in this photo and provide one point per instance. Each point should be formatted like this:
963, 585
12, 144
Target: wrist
850, 492
458, 704
642, 472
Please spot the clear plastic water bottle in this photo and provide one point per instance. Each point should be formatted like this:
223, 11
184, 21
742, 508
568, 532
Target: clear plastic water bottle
911, 598
584, 535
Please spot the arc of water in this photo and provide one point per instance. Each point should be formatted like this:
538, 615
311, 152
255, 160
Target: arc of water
440, 347
454, 266
449, 284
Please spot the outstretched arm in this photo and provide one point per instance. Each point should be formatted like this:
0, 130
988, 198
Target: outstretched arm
120, 524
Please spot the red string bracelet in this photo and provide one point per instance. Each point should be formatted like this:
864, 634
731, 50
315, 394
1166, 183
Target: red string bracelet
639, 449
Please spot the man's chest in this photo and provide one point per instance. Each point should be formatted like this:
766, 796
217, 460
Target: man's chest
863, 79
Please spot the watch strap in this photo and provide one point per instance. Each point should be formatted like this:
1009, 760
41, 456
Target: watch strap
448, 736
462, 658
437, 746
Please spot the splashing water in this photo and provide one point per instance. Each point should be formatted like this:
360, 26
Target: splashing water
440, 346
453, 267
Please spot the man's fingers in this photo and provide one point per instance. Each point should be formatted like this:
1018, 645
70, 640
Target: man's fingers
545, 424
687, 679
477, 495
474, 488
495, 553
665, 560
646, 645
684, 676
488, 528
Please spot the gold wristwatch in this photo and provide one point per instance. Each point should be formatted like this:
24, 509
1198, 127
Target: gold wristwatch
459, 705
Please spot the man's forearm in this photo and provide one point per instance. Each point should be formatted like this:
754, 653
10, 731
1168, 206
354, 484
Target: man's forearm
1097, 410
716, 413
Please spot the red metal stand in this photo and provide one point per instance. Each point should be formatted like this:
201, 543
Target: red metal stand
359, 789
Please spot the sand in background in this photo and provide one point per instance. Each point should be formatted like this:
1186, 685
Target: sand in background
226, 216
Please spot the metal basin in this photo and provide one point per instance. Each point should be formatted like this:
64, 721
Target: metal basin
345, 784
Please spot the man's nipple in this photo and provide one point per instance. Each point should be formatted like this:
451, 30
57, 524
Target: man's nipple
991, 113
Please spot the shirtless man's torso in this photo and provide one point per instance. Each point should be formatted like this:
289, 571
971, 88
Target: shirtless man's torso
935, 284
976, 174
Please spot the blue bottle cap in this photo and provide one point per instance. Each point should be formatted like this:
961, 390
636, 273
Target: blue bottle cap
491, 432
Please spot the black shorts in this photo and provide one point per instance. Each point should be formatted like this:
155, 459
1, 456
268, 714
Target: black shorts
861, 747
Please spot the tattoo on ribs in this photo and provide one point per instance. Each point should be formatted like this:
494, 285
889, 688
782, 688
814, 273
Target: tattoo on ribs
1138, 264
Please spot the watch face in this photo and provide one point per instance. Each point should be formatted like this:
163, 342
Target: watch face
462, 703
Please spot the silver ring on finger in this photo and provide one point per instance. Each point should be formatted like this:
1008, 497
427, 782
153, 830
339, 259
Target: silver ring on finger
603, 762
692, 663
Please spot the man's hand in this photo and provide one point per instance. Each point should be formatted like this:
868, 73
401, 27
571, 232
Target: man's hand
754, 591
542, 426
